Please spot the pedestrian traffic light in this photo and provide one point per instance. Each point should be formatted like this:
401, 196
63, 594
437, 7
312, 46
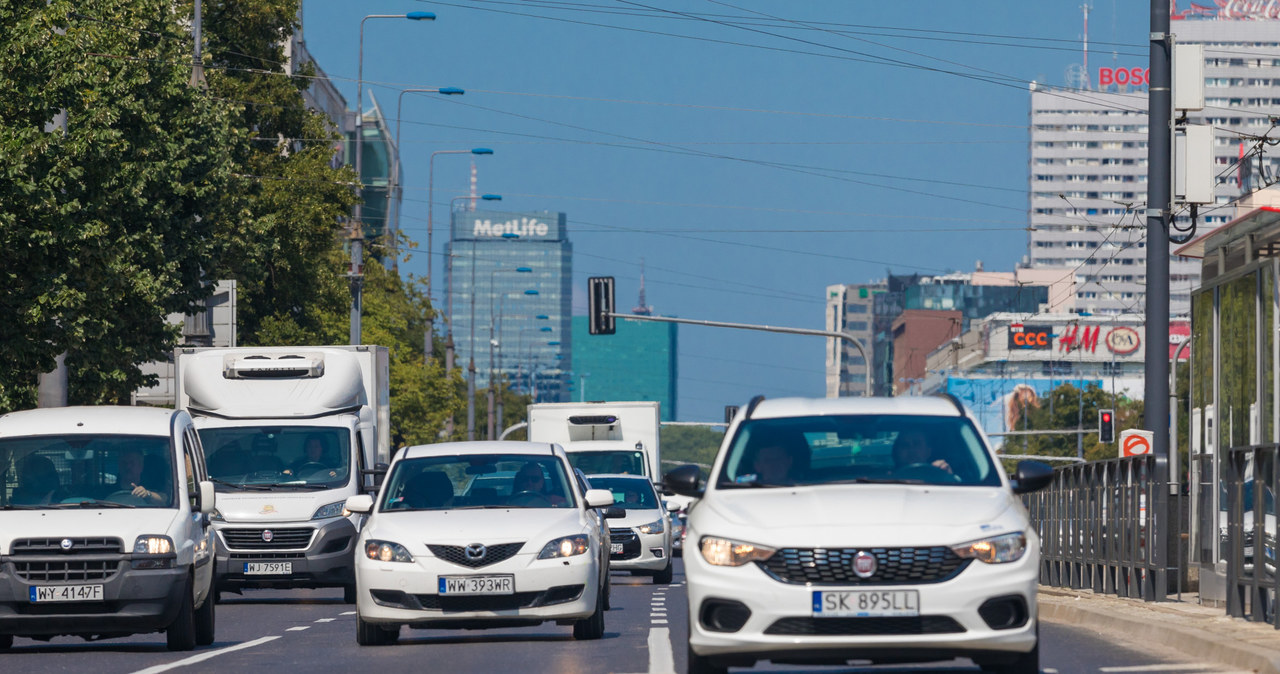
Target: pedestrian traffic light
1106, 426
600, 306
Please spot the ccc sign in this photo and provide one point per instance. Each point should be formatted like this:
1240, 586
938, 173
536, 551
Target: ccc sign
1031, 337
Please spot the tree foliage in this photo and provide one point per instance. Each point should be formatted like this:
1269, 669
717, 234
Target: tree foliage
690, 444
1067, 407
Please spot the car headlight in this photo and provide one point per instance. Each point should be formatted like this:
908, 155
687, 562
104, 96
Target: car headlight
216, 516
724, 552
996, 550
153, 545
565, 547
651, 528
386, 551
324, 512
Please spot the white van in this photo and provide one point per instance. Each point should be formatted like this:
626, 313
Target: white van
104, 527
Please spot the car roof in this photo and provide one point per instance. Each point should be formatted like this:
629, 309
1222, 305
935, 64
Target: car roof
90, 420
804, 407
479, 447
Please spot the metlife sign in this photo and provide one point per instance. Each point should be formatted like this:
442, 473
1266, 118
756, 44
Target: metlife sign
496, 225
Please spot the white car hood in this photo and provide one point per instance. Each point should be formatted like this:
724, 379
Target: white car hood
415, 529
859, 515
636, 518
125, 523
280, 506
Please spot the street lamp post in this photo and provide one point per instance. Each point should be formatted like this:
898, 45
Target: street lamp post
357, 235
395, 168
431, 184
471, 348
493, 342
427, 334
582, 385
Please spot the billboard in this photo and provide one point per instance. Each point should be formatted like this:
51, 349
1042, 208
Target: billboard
998, 402
499, 225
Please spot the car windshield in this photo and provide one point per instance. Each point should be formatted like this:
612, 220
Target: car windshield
277, 457
616, 461
866, 448
477, 481
629, 493
86, 471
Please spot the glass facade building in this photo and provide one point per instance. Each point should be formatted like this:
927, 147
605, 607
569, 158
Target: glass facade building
510, 298
638, 362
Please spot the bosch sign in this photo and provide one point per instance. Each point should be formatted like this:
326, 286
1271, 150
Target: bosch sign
1030, 337
1133, 77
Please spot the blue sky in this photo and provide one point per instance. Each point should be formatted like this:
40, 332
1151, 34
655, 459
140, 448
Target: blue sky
751, 153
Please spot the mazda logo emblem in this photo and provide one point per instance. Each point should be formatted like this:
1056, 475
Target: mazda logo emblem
475, 551
864, 564
268, 535
66, 544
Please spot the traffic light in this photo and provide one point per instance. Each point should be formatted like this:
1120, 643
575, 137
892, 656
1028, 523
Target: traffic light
1106, 426
600, 305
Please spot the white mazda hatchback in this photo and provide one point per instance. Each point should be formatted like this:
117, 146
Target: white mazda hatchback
879, 529
477, 535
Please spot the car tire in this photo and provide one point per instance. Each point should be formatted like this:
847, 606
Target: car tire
608, 594
181, 633
349, 594
591, 627
664, 576
205, 622
699, 664
6, 642
370, 634
1024, 663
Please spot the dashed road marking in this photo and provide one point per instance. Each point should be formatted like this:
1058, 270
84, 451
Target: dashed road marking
325, 620
206, 656
299, 628
1162, 667
347, 613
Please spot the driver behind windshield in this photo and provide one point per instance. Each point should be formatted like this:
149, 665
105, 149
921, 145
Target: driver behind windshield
314, 458
530, 479
913, 451
144, 477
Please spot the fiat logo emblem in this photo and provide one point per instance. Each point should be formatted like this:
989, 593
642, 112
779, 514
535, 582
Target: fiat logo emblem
475, 551
864, 564
268, 535
66, 544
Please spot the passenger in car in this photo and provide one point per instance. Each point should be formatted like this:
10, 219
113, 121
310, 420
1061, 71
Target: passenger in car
38, 482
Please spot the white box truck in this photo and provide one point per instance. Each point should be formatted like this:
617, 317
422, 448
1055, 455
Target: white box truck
602, 437
289, 433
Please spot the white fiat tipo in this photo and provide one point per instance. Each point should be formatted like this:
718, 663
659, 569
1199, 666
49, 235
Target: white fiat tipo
879, 529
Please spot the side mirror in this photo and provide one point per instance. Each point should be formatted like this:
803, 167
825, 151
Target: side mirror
685, 481
1032, 476
207, 497
599, 498
360, 503
613, 513
378, 472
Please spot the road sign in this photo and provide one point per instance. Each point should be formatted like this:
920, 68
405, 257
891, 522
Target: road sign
600, 305
1135, 443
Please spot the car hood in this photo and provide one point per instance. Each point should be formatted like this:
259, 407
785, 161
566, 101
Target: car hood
279, 506
125, 523
891, 515
415, 529
636, 518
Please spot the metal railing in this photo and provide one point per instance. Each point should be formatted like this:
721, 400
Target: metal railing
1106, 526
1252, 588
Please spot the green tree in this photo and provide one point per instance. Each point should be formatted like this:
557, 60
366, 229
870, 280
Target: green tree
689, 444
1067, 407
104, 226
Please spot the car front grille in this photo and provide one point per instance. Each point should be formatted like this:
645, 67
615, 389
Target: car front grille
78, 546
805, 626
281, 539
821, 566
630, 543
456, 554
46, 560
66, 571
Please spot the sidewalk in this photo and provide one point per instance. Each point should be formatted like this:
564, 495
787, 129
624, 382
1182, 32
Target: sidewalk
1201, 632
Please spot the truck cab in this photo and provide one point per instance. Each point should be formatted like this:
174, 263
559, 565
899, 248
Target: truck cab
602, 437
290, 434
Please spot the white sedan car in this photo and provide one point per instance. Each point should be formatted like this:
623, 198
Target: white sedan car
444, 548
641, 541
878, 529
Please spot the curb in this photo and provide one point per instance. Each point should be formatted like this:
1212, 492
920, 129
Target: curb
1216, 638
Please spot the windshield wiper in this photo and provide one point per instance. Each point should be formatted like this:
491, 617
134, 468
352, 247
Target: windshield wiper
13, 506
876, 480
296, 485
94, 503
755, 484
237, 485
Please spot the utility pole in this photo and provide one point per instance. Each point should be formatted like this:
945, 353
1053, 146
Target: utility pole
1159, 215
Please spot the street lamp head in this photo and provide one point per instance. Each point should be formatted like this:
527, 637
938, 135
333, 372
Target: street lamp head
546, 328
420, 16
491, 197
525, 270
450, 91
542, 317
510, 235
531, 291
553, 342
481, 150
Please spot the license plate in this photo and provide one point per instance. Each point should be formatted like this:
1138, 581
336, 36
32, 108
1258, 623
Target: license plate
615, 548
866, 603
268, 568
456, 585
47, 593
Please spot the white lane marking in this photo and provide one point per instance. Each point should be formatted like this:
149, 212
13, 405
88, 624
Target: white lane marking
662, 660
298, 629
1164, 667
1050, 670
347, 613
657, 622
325, 620
205, 656
657, 615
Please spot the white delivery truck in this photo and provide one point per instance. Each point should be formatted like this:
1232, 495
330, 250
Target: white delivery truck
602, 437
290, 433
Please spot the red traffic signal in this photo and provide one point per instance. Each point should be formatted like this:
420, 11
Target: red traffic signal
1106, 426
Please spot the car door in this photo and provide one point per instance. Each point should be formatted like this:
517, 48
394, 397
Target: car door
200, 530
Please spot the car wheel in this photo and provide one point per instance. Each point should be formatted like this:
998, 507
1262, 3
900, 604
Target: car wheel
370, 634
664, 576
6, 642
1024, 663
703, 665
591, 627
181, 633
608, 594
204, 620
349, 594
